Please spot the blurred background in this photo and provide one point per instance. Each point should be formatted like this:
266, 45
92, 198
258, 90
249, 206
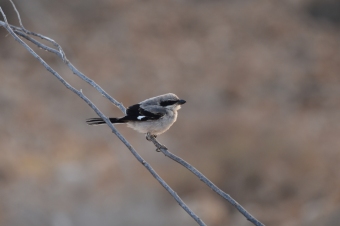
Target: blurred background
262, 85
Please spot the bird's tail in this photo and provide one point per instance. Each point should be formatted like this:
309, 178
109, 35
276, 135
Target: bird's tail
99, 121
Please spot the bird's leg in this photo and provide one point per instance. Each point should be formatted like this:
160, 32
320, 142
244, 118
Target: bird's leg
151, 137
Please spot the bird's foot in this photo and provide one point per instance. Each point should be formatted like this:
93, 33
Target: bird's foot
149, 136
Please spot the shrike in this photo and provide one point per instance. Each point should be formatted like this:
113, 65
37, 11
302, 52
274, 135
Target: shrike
153, 116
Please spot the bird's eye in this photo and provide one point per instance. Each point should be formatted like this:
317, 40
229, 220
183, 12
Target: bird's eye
168, 102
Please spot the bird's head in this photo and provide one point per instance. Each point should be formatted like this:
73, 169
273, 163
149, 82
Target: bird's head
171, 101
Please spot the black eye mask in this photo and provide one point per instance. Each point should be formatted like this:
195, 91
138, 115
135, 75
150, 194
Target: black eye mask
168, 103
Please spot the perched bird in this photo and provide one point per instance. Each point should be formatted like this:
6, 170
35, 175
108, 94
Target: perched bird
152, 116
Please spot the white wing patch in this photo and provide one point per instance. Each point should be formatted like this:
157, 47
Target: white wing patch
140, 117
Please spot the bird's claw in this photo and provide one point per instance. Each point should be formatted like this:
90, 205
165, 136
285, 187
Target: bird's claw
149, 136
159, 146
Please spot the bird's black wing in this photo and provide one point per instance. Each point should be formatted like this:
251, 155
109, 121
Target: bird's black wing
133, 111
138, 113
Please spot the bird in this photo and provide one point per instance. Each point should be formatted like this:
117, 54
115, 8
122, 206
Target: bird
152, 116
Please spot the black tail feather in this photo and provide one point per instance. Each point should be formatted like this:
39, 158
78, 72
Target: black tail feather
99, 121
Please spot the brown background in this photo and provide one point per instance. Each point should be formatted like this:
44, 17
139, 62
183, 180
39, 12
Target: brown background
262, 119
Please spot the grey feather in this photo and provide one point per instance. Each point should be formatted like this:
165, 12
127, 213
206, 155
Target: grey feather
156, 100
155, 109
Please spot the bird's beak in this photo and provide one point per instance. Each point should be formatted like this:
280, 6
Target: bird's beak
180, 102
